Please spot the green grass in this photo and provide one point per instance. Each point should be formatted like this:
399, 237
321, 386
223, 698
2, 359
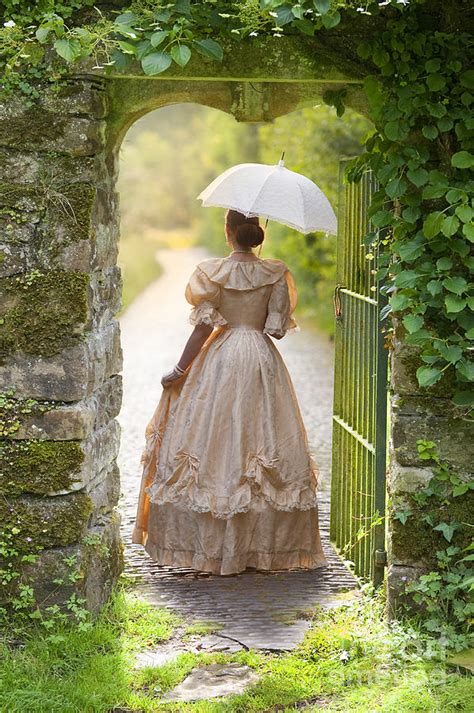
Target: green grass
350, 660
202, 628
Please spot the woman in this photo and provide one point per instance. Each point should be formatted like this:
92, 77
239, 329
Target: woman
228, 481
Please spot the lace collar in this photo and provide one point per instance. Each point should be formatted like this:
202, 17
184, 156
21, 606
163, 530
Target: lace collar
243, 275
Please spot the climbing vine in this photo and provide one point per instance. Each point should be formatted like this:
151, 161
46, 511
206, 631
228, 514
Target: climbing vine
420, 92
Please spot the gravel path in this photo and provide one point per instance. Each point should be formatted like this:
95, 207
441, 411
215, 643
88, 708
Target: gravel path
258, 610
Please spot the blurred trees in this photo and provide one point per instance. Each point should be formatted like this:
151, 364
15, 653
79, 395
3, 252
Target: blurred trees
170, 155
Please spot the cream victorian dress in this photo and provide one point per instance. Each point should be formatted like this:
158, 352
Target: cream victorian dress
228, 480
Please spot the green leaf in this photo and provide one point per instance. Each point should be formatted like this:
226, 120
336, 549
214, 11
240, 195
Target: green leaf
395, 130
381, 218
413, 249
432, 65
419, 176
454, 195
467, 79
209, 48
466, 368
454, 303
396, 187
450, 225
411, 214
126, 18
428, 375
445, 124
434, 287
464, 397
468, 231
68, 49
413, 322
451, 353
444, 263
432, 224
331, 20
399, 302
284, 15
458, 285
42, 34
322, 6
407, 278
155, 63
127, 47
462, 159
158, 37
429, 132
465, 213
448, 529
181, 54
436, 82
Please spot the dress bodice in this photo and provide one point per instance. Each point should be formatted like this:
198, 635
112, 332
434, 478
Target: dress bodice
257, 294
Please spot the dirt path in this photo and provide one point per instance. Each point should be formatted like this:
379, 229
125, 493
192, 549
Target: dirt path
258, 610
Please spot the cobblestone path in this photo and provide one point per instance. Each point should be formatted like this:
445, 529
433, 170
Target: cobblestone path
258, 610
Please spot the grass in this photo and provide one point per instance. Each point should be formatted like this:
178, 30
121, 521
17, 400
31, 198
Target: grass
350, 660
202, 628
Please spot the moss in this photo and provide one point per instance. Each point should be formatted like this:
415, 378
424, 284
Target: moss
45, 313
30, 128
416, 541
69, 206
46, 522
39, 467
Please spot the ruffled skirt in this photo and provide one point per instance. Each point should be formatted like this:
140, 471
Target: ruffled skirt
228, 480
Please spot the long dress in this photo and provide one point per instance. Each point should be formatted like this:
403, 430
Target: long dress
228, 481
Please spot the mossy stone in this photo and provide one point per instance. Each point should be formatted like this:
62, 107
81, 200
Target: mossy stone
45, 313
46, 522
39, 467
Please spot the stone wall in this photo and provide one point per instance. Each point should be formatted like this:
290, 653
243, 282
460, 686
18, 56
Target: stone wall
60, 356
430, 415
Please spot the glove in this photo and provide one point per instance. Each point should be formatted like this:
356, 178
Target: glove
172, 376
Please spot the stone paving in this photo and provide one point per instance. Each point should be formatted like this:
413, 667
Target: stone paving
257, 610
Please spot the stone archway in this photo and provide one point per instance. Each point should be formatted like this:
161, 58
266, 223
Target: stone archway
60, 343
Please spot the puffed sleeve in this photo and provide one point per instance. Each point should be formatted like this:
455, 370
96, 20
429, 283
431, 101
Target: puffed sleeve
204, 295
281, 306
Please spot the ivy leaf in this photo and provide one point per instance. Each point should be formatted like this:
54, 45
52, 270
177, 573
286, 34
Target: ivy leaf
322, 6
448, 529
181, 54
419, 176
445, 124
381, 218
68, 49
155, 63
428, 375
454, 303
413, 322
450, 225
462, 159
433, 223
458, 285
209, 48
158, 37
432, 65
467, 79
412, 249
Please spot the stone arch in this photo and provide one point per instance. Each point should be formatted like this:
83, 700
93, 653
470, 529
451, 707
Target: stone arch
60, 343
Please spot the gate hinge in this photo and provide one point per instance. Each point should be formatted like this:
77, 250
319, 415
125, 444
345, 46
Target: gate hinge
381, 558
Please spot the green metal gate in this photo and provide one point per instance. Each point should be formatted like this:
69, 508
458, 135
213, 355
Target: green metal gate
360, 392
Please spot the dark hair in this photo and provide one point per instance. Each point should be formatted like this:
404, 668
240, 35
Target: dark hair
245, 231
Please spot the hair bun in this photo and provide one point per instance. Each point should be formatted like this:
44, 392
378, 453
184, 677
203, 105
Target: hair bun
247, 231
